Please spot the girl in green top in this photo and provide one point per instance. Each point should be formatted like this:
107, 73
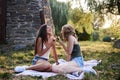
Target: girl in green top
75, 64
74, 55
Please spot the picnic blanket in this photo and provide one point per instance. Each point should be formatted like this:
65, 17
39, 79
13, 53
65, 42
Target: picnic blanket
89, 63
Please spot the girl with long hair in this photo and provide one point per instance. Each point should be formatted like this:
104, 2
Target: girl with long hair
75, 64
44, 43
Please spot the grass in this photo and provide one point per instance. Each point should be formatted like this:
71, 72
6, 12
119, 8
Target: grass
108, 69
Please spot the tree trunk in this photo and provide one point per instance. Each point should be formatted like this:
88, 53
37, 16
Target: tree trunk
118, 4
47, 13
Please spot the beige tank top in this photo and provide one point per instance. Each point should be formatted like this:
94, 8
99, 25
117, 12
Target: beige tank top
46, 55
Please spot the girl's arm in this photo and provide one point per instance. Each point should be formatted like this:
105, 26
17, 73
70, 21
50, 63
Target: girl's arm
68, 57
55, 53
62, 44
69, 47
70, 44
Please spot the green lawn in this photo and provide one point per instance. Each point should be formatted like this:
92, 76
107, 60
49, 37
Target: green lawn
108, 69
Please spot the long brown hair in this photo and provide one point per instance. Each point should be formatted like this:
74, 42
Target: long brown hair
42, 33
68, 30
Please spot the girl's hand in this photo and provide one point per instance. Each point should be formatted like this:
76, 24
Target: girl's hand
52, 41
57, 37
57, 63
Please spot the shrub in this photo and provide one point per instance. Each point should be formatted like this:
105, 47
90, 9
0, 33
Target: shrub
95, 36
117, 44
107, 39
83, 36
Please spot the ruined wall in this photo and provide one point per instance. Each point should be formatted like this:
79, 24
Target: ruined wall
23, 20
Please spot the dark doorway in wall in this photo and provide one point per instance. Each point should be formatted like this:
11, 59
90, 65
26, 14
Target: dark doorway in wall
3, 7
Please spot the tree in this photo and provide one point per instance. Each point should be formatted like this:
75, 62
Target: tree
81, 20
112, 6
114, 30
59, 14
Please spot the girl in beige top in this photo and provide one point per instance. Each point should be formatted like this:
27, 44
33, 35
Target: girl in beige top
44, 43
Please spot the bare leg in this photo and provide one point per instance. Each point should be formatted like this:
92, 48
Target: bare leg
67, 67
41, 65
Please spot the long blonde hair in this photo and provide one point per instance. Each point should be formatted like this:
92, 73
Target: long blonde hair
68, 30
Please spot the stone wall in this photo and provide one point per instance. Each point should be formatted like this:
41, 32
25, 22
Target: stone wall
23, 20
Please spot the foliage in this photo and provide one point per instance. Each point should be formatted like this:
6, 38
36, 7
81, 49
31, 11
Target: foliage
117, 44
83, 36
114, 30
98, 20
59, 14
112, 6
95, 36
5, 75
107, 39
82, 20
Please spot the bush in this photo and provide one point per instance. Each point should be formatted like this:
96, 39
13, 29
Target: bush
83, 36
95, 36
117, 44
107, 39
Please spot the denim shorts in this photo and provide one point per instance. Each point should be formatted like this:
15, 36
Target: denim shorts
36, 58
79, 61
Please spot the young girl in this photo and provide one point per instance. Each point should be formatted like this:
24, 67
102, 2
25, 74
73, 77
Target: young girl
75, 63
74, 55
44, 43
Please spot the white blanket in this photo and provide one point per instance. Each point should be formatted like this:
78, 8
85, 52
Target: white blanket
90, 63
